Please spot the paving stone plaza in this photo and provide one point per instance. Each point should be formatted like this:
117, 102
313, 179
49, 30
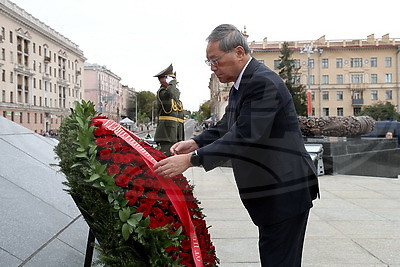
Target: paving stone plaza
355, 223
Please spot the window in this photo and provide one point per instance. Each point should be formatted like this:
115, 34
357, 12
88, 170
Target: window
40, 50
339, 79
312, 79
388, 77
374, 62
374, 78
260, 60
276, 64
311, 63
3, 96
388, 61
339, 111
356, 78
339, 63
20, 117
28, 117
374, 95
11, 77
312, 96
325, 63
388, 95
3, 33
3, 75
356, 62
3, 54
11, 97
34, 101
34, 48
325, 111
296, 79
313, 111
11, 36
35, 117
325, 95
325, 79
296, 63
356, 111
11, 57
339, 95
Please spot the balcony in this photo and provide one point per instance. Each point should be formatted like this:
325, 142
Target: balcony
357, 102
47, 59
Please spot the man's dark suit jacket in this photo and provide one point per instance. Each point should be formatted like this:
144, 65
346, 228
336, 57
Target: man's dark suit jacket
260, 134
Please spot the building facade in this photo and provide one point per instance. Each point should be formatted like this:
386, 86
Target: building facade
104, 89
129, 103
41, 71
343, 75
219, 93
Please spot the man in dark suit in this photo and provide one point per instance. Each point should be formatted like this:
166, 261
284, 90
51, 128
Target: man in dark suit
260, 134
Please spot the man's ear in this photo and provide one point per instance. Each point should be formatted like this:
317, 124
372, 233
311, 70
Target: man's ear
239, 51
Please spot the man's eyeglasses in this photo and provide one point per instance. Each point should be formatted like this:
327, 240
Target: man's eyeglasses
214, 62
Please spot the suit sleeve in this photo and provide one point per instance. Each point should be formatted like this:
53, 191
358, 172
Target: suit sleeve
254, 120
213, 133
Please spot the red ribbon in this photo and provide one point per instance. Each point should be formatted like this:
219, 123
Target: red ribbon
171, 189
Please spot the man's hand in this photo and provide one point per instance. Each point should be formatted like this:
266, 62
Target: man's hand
174, 165
184, 147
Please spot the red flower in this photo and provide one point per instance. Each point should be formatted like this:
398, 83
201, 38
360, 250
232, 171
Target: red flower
118, 158
105, 154
132, 171
144, 208
138, 182
122, 180
134, 194
113, 169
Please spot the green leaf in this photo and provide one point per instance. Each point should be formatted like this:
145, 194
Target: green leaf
82, 155
178, 232
92, 149
76, 165
134, 219
124, 214
94, 177
125, 231
80, 149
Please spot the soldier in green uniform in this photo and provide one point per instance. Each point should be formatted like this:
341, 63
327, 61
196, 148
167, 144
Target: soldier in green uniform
170, 127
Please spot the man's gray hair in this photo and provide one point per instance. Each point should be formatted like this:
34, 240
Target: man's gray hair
229, 38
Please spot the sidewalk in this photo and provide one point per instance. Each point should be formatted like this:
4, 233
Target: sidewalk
355, 223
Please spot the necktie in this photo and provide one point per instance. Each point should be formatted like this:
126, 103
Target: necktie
232, 106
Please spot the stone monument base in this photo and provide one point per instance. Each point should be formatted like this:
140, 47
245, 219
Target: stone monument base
378, 157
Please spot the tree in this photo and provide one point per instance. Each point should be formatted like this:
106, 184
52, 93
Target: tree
203, 113
288, 72
146, 104
381, 111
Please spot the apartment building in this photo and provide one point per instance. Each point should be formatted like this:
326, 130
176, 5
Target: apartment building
104, 89
41, 71
343, 75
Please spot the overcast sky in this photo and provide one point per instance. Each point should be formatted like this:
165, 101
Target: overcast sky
137, 39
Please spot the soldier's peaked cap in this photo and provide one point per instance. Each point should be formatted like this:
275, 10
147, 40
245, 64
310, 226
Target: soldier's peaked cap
166, 72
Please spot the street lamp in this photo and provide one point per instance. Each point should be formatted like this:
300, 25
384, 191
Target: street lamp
309, 49
152, 112
136, 113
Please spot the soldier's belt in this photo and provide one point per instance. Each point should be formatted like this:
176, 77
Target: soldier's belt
170, 118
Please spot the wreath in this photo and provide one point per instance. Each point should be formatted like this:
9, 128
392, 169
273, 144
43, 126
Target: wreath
125, 204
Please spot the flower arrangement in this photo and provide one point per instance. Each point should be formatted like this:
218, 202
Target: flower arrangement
124, 202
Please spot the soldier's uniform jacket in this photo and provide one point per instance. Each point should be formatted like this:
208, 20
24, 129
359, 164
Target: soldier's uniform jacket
170, 115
